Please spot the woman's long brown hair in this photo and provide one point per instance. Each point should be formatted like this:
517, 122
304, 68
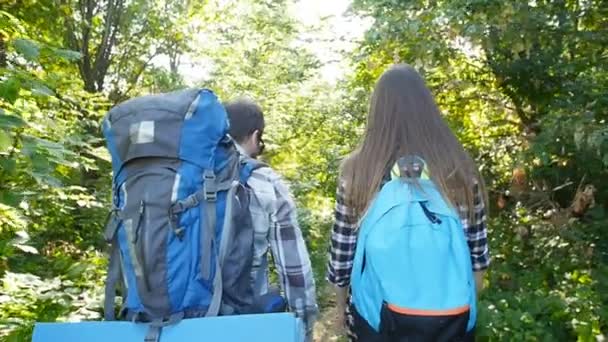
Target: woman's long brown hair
405, 120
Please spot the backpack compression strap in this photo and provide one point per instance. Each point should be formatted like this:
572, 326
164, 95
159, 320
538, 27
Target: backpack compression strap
114, 269
207, 196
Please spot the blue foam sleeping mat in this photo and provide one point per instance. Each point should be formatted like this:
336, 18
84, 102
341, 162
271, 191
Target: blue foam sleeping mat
283, 327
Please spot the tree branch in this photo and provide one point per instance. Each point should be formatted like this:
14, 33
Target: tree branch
124, 58
117, 95
3, 62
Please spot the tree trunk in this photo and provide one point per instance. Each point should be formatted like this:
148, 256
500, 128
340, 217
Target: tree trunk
96, 56
527, 119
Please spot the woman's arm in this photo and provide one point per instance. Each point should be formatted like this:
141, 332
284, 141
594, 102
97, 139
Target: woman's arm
343, 242
477, 238
342, 251
341, 298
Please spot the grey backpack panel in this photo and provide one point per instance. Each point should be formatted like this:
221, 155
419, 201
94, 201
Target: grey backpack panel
237, 254
150, 126
148, 192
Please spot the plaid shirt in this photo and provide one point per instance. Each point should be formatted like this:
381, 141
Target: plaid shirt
276, 228
344, 239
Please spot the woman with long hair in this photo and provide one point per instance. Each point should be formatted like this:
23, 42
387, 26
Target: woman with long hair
403, 121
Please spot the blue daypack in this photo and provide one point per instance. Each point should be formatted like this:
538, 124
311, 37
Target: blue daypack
180, 227
412, 275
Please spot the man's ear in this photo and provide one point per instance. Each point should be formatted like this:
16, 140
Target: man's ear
255, 135
250, 143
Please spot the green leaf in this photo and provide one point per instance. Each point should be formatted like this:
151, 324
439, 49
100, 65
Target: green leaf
29, 146
7, 15
26, 248
45, 178
9, 90
22, 236
76, 270
8, 166
5, 141
69, 55
41, 89
27, 48
10, 199
10, 121
40, 163
102, 153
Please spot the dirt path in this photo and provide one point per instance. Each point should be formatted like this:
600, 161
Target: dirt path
324, 328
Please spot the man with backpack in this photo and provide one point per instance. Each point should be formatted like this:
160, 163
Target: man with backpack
183, 223
274, 219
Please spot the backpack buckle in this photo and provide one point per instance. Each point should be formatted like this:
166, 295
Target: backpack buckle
209, 186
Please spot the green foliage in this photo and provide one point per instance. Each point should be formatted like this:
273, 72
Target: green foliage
45, 146
547, 283
74, 295
522, 84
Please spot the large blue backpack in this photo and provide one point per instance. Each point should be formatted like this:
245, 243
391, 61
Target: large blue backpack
180, 227
412, 274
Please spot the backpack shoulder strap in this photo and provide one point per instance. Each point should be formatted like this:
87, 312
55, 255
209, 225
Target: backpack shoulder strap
248, 165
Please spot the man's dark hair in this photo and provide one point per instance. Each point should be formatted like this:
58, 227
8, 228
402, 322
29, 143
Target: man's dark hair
245, 118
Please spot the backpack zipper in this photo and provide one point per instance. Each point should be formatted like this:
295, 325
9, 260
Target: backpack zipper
431, 216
